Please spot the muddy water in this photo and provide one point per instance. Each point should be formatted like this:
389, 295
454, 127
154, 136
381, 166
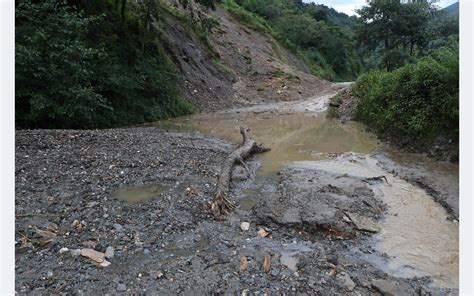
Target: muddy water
292, 137
138, 194
416, 233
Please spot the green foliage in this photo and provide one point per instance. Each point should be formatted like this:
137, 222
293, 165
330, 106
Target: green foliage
416, 101
224, 67
253, 21
391, 34
80, 70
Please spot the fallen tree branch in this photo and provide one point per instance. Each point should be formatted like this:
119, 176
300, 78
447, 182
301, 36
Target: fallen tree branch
222, 204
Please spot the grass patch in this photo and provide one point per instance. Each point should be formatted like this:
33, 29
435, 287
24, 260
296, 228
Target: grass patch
222, 66
251, 20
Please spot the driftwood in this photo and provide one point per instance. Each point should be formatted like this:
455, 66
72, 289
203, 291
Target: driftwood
222, 204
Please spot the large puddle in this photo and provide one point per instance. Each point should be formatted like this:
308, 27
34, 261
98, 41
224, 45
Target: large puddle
416, 233
292, 137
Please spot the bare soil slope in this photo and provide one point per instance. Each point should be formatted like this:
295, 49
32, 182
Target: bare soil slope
239, 67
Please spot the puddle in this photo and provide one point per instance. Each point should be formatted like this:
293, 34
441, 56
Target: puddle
416, 233
138, 194
292, 137
248, 203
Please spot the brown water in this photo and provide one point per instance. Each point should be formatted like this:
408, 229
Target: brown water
292, 137
416, 233
138, 194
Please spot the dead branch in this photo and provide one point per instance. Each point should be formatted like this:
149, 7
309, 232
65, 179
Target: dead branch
222, 204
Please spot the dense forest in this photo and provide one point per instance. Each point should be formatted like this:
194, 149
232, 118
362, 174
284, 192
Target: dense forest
102, 63
92, 64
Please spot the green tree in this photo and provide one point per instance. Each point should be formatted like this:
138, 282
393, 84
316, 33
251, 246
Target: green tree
397, 27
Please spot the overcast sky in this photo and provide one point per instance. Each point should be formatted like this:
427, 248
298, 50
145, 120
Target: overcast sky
349, 6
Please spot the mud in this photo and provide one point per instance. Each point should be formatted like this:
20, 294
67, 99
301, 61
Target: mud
336, 225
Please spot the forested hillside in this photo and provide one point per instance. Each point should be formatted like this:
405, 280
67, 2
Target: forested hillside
92, 64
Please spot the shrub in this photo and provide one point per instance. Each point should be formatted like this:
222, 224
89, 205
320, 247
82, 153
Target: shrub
416, 101
79, 70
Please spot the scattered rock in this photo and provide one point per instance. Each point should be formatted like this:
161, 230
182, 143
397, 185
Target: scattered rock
63, 250
118, 227
100, 248
264, 232
392, 288
75, 252
93, 255
347, 282
109, 252
121, 288
105, 263
244, 264
267, 262
363, 223
245, 226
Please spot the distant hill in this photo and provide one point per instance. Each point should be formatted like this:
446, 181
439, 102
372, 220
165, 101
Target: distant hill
453, 8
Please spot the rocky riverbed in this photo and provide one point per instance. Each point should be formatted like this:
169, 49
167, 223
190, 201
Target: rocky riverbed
80, 228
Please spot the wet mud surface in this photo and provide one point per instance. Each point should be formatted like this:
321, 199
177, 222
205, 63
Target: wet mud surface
322, 220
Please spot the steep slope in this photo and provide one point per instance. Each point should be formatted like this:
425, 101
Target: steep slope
265, 70
234, 65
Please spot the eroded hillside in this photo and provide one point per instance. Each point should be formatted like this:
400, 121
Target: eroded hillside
234, 65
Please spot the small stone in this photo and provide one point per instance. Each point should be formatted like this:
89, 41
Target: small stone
245, 226
386, 287
109, 252
75, 252
244, 264
100, 248
267, 261
105, 263
63, 250
89, 244
93, 255
118, 227
159, 274
75, 223
347, 282
146, 251
333, 259
121, 287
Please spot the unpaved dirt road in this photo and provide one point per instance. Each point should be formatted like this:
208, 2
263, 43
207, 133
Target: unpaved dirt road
322, 218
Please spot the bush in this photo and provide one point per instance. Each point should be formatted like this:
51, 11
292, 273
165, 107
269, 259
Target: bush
79, 70
416, 101
250, 19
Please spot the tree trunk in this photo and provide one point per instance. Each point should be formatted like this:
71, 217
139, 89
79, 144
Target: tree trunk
122, 12
221, 204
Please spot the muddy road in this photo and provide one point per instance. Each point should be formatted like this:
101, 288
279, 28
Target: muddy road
330, 210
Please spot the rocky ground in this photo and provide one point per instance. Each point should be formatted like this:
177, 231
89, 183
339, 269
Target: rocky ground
73, 236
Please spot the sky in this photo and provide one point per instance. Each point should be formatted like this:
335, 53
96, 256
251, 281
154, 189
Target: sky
349, 6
